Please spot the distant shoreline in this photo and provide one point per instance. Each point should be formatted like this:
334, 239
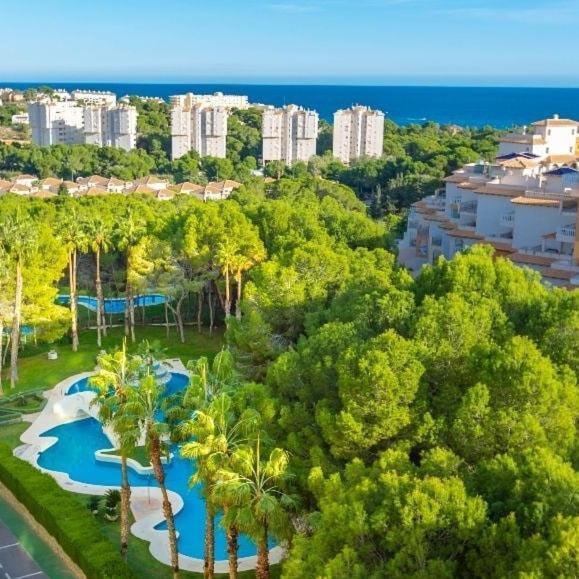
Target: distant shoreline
466, 106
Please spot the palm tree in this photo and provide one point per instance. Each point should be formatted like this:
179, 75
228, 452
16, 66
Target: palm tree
226, 254
254, 487
142, 408
72, 232
18, 239
214, 434
209, 380
99, 233
5, 304
116, 372
130, 231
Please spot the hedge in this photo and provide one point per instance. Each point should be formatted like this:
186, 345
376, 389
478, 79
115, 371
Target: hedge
63, 517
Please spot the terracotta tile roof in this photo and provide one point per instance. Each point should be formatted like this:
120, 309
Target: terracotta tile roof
467, 234
535, 201
525, 139
164, 194
500, 190
559, 273
188, 187
551, 235
468, 185
555, 123
96, 180
557, 159
456, 178
50, 182
447, 226
501, 246
519, 163
141, 189
25, 177
531, 259
16, 188
152, 180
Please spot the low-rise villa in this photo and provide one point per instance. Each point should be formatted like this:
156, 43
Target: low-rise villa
524, 204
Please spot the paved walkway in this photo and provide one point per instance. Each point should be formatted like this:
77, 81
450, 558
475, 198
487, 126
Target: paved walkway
15, 562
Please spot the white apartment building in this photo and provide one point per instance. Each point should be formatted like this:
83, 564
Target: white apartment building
95, 97
69, 122
218, 99
56, 123
196, 127
20, 119
358, 132
289, 134
524, 204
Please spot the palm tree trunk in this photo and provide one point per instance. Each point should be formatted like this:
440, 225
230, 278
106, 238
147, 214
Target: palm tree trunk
100, 302
125, 506
73, 299
127, 310
227, 304
132, 317
262, 568
1, 346
166, 317
232, 548
238, 301
15, 335
210, 302
199, 309
155, 456
209, 554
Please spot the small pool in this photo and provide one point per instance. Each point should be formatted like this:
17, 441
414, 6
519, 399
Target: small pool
115, 305
74, 454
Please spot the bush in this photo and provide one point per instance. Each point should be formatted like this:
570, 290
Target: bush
61, 515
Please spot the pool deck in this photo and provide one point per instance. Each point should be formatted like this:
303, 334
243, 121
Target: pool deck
145, 502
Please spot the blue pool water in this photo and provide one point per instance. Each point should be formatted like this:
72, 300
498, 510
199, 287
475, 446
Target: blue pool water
115, 305
74, 453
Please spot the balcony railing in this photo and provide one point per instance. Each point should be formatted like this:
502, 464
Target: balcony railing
508, 219
566, 234
468, 207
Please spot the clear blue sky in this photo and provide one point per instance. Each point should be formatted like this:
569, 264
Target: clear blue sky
513, 42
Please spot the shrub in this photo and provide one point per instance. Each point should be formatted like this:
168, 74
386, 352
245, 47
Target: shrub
61, 515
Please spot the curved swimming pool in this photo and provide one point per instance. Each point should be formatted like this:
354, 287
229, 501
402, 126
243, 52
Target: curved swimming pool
74, 454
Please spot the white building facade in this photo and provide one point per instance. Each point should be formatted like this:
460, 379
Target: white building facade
524, 204
195, 127
70, 122
358, 132
289, 134
218, 99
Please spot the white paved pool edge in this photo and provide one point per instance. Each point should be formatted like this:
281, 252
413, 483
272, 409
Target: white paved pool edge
62, 409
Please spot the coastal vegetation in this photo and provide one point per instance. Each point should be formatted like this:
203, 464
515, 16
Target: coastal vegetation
409, 427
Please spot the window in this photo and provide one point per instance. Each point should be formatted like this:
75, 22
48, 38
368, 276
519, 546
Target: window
547, 150
549, 132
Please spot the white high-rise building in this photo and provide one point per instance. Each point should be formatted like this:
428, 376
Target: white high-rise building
196, 127
71, 122
358, 132
56, 123
289, 134
218, 99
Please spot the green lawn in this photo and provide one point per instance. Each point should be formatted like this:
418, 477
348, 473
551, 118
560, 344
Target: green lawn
37, 372
10, 434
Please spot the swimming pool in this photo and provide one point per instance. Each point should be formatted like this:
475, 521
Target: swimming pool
74, 454
115, 305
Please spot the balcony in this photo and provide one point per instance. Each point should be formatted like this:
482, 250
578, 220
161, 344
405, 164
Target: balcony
507, 220
468, 207
566, 234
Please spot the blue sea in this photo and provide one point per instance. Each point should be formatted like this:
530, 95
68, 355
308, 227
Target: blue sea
500, 107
